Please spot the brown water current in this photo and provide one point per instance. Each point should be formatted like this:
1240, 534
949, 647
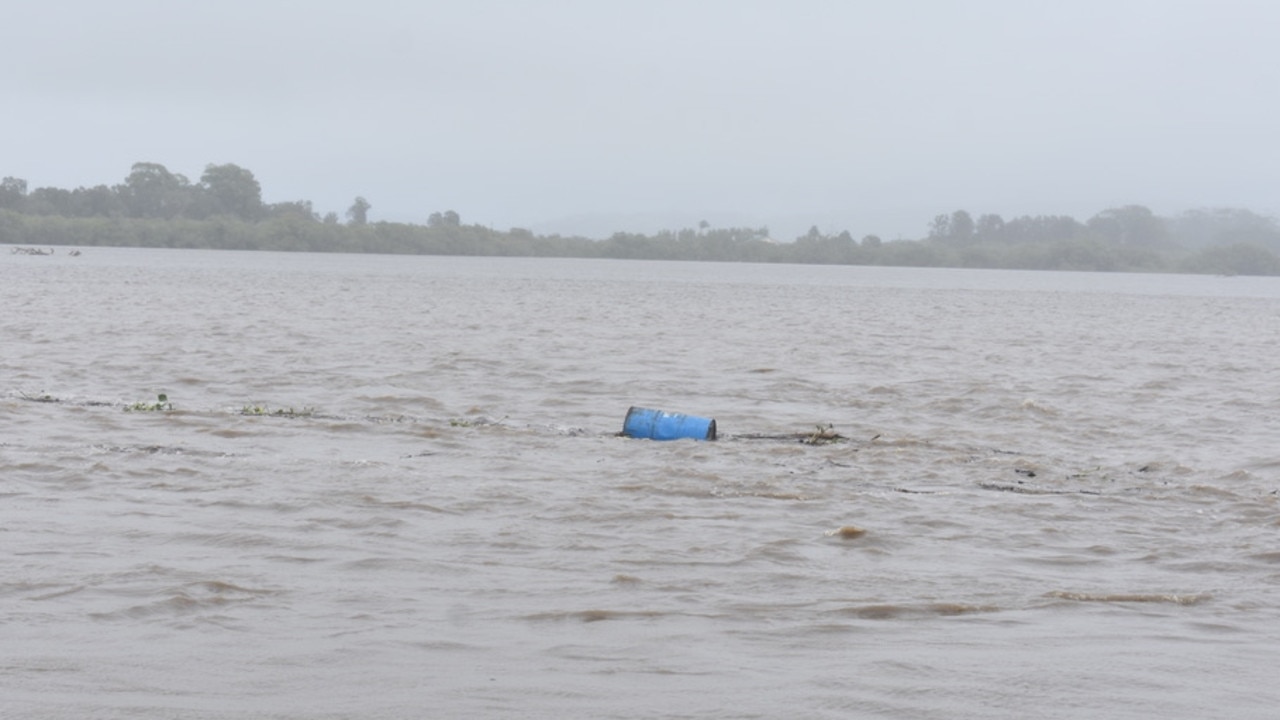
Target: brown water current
390, 487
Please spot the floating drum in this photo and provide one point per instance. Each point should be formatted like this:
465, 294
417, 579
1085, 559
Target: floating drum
659, 425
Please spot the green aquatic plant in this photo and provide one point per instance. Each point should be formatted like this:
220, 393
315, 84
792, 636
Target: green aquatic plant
263, 410
161, 404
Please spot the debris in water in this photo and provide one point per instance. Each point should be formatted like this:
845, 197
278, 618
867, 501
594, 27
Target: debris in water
823, 436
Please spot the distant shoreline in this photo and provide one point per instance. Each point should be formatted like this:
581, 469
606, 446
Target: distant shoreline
224, 210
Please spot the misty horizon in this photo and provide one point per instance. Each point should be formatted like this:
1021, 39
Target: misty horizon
861, 116
17, 194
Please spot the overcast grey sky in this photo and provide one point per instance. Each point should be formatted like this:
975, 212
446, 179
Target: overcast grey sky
864, 115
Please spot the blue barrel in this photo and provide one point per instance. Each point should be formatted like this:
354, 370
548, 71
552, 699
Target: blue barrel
659, 425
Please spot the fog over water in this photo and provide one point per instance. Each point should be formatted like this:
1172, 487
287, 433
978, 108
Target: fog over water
385, 487
583, 117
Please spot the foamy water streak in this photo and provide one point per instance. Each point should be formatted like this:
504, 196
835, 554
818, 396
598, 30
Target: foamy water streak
392, 487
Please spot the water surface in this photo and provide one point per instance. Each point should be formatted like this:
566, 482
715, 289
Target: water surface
393, 487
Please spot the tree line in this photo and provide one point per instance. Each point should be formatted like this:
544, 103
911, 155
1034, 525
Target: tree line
154, 207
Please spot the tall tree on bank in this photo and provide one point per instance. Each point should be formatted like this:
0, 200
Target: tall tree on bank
448, 218
13, 191
1131, 225
232, 190
358, 213
151, 191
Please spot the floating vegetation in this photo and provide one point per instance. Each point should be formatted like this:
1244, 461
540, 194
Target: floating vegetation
145, 449
263, 410
823, 435
1023, 489
31, 251
47, 398
161, 404
481, 421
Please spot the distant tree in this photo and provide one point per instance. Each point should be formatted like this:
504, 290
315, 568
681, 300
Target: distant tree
961, 227
1216, 226
1042, 229
871, 241
955, 228
989, 227
358, 213
232, 190
97, 201
292, 208
151, 191
1131, 225
940, 228
908, 253
49, 201
13, 192
1235, 259
448, 218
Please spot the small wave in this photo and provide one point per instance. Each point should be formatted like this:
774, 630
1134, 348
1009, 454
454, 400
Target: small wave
1221, 493
146, 449
370, 501
187, 599
719, 492
58, 593
231, 433
1171, 598
1038, 407
589, 616
227, 539
888, 611
45, 591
